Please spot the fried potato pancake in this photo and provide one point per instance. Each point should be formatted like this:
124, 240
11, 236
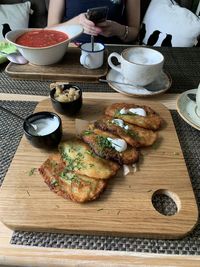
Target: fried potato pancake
134, 135
97, 139
80, 159
151, 121
78, 188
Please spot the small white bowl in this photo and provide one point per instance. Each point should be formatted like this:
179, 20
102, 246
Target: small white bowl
45, 55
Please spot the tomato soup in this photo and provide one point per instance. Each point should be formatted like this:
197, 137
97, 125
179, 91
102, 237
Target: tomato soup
41, 38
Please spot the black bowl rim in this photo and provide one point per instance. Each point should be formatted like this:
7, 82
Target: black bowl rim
42, 113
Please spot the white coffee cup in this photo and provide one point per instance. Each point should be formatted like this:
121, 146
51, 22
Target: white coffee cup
92, 59
138, 65
198, 101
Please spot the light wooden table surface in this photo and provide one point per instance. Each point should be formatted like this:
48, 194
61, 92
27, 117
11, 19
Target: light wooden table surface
12, 255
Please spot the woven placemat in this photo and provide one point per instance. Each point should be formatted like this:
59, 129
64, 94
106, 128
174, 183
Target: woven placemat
11, 129
181, 63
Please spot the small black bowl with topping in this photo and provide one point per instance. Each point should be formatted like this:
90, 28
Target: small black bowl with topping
66, 98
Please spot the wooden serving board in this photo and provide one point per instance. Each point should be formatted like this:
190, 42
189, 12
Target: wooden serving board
125, 207
68, 69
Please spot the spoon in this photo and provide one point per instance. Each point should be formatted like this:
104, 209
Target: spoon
129, 84
92, 42
15, 57
31, 125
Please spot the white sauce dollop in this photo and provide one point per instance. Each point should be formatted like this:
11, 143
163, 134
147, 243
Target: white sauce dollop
123, 111
137, 111
45, 126
120, 123
118, 144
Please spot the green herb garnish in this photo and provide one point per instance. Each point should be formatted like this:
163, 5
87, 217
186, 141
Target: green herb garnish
70, 177
32, 171
54, 182
87, 132
73, 163
103, 142
91, 165
133, 134
91, 153
117, 113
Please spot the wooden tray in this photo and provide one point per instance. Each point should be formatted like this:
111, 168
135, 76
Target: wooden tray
125, 208
69, 69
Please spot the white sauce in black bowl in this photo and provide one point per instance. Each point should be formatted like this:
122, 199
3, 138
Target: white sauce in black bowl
44, 126
47, 132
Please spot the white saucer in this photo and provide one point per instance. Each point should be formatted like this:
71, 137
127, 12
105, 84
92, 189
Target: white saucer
159, 86
187, 109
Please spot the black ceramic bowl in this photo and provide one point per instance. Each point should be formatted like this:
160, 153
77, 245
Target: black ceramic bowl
67, 108
49, 129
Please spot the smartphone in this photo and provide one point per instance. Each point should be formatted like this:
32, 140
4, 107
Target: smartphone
97, 14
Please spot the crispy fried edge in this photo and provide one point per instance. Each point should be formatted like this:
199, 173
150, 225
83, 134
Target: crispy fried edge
59, 191
151, 115
121, 158
118, 131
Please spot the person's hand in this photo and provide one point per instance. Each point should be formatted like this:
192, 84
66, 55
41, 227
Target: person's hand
88, 26
109, 28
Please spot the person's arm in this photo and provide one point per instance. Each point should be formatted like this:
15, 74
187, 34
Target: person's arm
133, 19
126, 33
55, 12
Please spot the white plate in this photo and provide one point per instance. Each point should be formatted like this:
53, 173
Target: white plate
187, 109
159, 86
